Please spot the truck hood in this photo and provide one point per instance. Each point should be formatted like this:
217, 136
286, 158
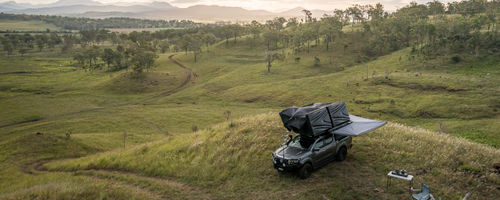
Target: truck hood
289, 152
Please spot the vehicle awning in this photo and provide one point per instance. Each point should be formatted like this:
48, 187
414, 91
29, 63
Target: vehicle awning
359, 126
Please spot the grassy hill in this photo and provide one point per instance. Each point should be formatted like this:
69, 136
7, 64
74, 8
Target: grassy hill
416, 92
232, 160
52, 110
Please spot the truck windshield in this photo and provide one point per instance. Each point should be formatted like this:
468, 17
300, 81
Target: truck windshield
296, 142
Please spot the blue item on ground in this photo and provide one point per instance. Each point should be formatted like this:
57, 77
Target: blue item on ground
424, 195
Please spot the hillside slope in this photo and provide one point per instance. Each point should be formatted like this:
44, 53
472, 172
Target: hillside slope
233, 160
392, 87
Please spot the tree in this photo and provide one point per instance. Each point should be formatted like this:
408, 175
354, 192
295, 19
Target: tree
209, 39
184, 42
292, 22
80, 58
28, 41
68, 43
355, 13
54, 40
308, 16
435, 7
377, 12
270, 36
88, 36
143, 60
308, 34
330, 27
164, 46
272, 56
7, 45
120, 58
23, 49
227, 32
276, 24
255, 29
236, 30
92, 55
195, 44
343, 16
108, 56
40, 44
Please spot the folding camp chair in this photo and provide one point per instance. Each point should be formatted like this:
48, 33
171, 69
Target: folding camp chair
425, 193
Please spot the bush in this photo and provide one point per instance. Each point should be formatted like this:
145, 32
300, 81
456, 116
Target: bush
316, 61
456, 59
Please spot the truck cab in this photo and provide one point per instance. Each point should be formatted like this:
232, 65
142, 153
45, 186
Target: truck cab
303, 155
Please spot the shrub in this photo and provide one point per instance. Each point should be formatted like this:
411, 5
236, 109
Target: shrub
316, 61
456, 59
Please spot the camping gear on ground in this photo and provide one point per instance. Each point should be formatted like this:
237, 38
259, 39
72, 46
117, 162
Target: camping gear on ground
425, 193
400, 172
316, 119
408, 177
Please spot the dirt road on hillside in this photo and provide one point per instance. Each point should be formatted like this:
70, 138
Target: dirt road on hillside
189, 77
186, 81
156, 187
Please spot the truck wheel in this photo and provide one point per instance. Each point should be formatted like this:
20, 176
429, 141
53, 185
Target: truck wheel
341, 154
305, 171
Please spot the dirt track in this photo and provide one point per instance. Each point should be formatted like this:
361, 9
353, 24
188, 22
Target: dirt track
159, 188
141, 101
178, 88
120, 177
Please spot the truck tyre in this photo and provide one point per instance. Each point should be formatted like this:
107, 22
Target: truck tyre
305, 171
341, 154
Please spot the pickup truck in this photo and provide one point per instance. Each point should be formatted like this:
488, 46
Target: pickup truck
304, 157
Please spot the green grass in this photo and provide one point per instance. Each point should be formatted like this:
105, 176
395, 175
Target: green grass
17, 25
234, 161
165, 159
395, 89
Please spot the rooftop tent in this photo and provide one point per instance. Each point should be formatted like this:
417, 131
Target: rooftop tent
359, 126
314, 119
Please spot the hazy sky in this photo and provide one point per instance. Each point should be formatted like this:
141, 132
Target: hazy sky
273, 5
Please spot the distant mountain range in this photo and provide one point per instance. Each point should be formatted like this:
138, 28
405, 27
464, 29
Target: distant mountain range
153, 10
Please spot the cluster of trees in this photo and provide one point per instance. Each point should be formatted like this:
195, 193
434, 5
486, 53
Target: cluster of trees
366, 30
430, 32
23, 43
430, 29
135, 57
168, 40
73, 23
137, 50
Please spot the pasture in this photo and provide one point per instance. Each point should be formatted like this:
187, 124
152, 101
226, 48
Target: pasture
207, 130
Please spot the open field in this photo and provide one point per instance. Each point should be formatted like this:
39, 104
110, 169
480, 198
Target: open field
23, 26
200, 132
450, 165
